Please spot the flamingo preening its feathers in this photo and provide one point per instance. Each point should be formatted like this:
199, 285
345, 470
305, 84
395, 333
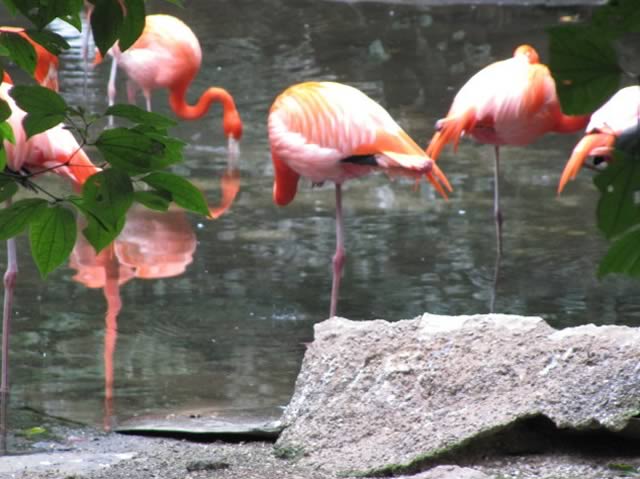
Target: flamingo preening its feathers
510, 102
328, 131
621, 113
46, 70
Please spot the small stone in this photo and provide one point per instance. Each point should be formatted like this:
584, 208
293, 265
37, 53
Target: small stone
207, 465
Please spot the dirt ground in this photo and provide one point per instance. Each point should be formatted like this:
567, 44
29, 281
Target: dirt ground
94, 455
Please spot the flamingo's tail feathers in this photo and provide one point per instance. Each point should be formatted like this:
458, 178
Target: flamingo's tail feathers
78, 167
450, 130
420, 164
97, 58
411, 162
285, 185
439, 181
595, 143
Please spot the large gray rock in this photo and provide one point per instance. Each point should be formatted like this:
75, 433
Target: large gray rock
378, 395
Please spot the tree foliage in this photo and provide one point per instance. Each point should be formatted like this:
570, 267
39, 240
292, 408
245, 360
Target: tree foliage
587, 72
134, 159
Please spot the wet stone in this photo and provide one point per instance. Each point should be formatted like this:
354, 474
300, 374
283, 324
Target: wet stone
212, 424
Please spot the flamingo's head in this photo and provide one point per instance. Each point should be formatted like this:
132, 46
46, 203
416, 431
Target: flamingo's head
232, 124
529, 52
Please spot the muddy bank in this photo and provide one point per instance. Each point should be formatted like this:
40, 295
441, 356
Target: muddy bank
86, 454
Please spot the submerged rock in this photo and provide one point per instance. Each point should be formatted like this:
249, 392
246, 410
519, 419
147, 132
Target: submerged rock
399, 397
233, 424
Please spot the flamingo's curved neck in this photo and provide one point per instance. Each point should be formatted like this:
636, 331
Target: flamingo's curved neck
181, 108
571, 124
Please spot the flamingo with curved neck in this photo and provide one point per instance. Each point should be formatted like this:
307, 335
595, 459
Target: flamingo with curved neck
168, 55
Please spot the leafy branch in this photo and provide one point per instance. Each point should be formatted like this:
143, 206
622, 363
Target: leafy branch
134, 156
135, 159
587, 72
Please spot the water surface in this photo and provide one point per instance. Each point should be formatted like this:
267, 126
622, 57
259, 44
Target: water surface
229, 332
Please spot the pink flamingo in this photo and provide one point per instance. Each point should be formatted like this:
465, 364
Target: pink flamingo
46, 71
620, 113
510, 102
168, 55
327, 131
53, 150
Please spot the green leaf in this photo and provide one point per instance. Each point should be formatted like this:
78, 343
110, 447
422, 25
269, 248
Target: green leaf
619, 185
618, 17
34, 124
5, 110
16, 218
3, 158
38, 99
106, 22
8, 187
585, 67
7, 133
131, 150
20, 50
11, 7
35, 431
43, 12
623, 256
133, 23
38, 12
98, 236
180, 3
154, 200
140, 116
172, 152
108, 195
49, 40
52, 234
45, 108
69, 12
183, 193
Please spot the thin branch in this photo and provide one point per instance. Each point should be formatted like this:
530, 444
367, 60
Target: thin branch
39, 188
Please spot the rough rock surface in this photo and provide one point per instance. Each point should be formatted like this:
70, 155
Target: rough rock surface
374, 395
111, 456
449, 472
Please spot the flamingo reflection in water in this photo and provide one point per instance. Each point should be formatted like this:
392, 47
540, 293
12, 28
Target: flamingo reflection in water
152, 245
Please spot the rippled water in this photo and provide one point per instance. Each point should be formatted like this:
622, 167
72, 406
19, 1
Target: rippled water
229, 332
